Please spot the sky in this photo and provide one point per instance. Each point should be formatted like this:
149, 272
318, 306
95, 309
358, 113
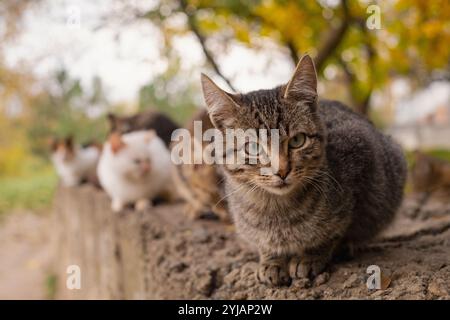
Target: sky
72, 34
422, 103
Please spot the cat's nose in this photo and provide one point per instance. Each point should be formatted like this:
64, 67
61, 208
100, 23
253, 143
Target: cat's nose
145, 167
284, 168
283, 173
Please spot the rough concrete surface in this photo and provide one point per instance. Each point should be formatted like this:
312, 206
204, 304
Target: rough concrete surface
159, 254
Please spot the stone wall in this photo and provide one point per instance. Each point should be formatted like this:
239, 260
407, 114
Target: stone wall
159, 254
149, 255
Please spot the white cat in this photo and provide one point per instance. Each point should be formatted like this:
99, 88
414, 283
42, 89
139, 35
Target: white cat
74, 164
134, 168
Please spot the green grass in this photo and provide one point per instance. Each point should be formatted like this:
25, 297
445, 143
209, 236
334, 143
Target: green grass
50, 286
438, 153
31, 190
441, 154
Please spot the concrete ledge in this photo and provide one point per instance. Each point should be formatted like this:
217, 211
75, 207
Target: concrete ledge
159, 254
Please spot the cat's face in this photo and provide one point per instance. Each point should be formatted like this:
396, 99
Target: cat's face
63, 150
131, 155
120, 124
292, 110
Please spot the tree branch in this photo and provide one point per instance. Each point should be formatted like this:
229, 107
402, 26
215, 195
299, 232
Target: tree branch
370, 51
192, 22
293, 52
362, 106
334, 38
330, 45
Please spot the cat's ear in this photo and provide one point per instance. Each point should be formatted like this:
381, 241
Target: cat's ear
69, 143
116, 142
112, 120
222, 107
150, 134
303, 84
53, 143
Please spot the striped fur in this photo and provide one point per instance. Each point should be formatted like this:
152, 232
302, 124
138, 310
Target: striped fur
344, 184
200, 185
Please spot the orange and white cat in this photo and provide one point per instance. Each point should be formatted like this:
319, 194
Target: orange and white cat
134, 168
74, 164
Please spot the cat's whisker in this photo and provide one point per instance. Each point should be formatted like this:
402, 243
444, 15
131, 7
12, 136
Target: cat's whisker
321, 141
221, 180
333, 179
231, 193
314, 183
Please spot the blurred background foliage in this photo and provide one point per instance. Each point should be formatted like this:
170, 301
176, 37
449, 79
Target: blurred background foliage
413, 42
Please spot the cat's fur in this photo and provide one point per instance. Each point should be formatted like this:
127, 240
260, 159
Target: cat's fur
342, 186
74, 164
200, 185
146, 120
430, 175
134, 168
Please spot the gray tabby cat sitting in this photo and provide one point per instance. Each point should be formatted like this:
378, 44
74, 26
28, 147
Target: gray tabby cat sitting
339, 180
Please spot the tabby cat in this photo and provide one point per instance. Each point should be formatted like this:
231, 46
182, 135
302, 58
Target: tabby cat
200, 185
146, 120
339, 180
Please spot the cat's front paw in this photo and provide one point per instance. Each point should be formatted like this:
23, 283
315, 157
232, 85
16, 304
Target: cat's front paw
273, 274
192, 212
117, 205
142, 205
307, 266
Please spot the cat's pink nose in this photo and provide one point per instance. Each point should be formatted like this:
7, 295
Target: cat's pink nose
283, 174
283, 171
145, 167
284, 167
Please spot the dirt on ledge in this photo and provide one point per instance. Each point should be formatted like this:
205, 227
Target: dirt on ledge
159, 254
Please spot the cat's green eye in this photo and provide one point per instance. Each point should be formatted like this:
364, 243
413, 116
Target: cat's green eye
297, 141
253, 149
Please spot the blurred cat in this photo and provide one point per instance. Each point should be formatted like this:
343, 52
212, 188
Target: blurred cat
430, 175
146, 120
74, 164
200, 185
134, 168
337, 179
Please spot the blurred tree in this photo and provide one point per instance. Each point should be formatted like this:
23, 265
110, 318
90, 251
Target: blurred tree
412, 40
13, 147
63, 111
171, 95
14, 96
12, 12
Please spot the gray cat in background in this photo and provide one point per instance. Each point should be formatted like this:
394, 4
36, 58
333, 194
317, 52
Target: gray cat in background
339, 180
